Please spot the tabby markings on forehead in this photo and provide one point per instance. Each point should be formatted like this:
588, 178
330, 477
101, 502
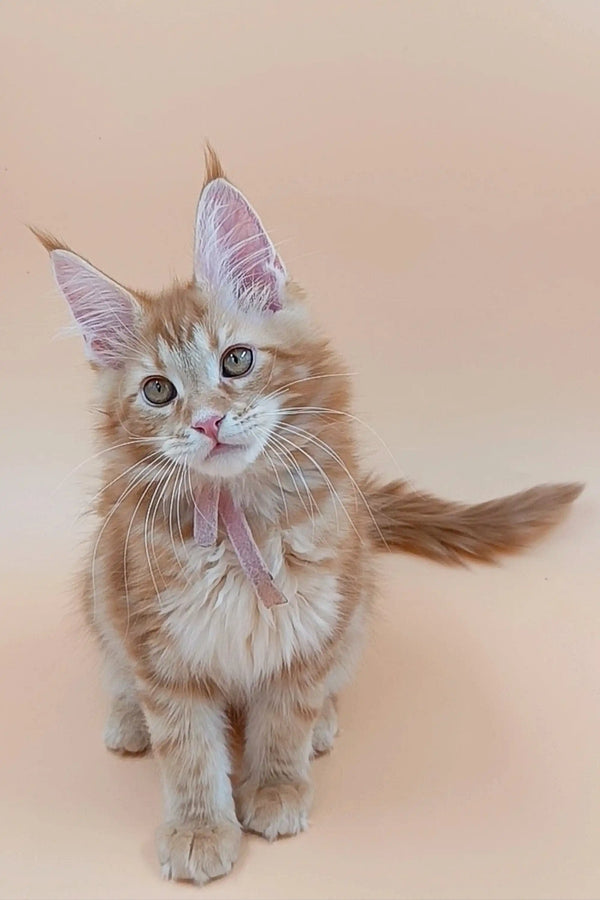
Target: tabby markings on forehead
193, 357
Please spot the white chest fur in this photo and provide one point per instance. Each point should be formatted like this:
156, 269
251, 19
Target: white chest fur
221, 630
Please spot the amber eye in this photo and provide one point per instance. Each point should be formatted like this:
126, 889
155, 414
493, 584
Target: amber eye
158, 391
237, 361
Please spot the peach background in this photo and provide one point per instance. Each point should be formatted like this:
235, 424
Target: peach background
431, 170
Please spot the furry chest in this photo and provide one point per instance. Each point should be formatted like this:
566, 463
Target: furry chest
219, 629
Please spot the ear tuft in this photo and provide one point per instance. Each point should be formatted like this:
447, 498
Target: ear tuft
48, 241
212, 165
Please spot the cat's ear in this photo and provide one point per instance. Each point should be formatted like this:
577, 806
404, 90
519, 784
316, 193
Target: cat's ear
233, 254
104, 311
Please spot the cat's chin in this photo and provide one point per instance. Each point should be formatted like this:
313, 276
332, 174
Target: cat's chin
227, 464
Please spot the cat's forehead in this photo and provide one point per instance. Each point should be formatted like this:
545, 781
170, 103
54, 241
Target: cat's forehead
193, 353
187, 332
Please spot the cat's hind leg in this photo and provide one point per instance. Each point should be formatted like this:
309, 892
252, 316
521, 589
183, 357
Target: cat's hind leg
326, 727
125, 730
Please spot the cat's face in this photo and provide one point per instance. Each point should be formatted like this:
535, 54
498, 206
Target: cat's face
208, 383
200, 374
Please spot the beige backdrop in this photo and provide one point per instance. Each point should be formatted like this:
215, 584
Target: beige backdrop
431, 171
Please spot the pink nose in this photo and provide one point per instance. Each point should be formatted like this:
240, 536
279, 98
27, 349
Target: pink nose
209, 426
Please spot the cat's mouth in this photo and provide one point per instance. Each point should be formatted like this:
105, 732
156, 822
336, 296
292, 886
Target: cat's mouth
224, 459
219, 449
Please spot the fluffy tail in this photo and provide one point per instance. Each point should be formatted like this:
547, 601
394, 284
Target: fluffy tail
452, 532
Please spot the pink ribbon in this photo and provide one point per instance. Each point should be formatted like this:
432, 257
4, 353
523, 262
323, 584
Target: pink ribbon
206, 506
212, 502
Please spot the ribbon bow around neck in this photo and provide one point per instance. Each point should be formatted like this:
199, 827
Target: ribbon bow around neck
212, 502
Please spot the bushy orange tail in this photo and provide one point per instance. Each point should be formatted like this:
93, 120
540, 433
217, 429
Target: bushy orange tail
452, 532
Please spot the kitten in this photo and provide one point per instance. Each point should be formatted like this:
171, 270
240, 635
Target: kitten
233, 568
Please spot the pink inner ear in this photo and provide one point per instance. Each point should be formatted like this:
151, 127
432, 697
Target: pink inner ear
234, 251
103, 310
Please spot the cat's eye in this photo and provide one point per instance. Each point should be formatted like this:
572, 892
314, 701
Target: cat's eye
237, 361
158, 391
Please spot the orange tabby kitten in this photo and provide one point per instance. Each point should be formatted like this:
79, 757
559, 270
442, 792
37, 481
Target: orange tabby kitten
233, 567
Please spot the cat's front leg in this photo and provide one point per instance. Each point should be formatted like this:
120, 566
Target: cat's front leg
275, 793
200, 838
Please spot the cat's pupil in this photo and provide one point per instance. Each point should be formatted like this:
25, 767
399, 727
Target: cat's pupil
159, 391
237, 361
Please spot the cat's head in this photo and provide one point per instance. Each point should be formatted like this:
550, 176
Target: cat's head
203, 371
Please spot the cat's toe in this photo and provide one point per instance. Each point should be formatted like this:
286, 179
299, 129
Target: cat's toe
274, 810
192, 851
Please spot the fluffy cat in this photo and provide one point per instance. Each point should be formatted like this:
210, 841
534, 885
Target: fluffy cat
233, 568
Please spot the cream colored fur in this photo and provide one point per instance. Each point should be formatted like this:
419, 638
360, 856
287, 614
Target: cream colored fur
196, 667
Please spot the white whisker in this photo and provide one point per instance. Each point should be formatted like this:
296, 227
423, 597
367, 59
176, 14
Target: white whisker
335, 456
334, 494
134, 483
94, 456
130, 526
285, 387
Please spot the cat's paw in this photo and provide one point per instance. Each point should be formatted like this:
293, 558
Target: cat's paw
325, 729
126, 730
196, 852
274, 810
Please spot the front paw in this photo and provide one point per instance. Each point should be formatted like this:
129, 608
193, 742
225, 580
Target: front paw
191, 851
274, 810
